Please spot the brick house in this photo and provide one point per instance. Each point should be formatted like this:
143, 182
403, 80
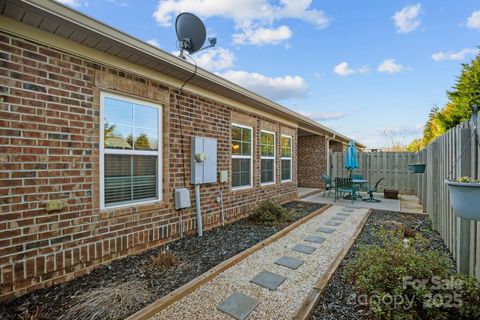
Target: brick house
94, 120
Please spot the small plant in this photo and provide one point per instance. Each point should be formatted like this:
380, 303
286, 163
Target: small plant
270, 213
113, 302
164, 260
409, 275
467, 180
409, 232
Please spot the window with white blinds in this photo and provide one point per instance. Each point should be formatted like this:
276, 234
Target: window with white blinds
241, 156
267, 157
286, 145
130, 151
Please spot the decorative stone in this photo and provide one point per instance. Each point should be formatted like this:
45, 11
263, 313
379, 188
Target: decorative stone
316, 239
289, 262
326, 230
342, 214
347, 210
338, 219
304, 248
238, 305
332, 223
268, 280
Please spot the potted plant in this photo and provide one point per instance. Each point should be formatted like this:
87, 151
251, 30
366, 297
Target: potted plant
390, 193
417, 167
465, 197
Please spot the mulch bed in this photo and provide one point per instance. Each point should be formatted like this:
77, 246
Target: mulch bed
196, 257
335, 302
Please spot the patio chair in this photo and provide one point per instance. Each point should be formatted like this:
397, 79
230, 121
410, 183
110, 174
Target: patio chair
327, 183
344, 186
360, 187
371, 190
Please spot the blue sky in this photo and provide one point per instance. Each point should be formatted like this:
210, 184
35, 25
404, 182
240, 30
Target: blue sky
369, 69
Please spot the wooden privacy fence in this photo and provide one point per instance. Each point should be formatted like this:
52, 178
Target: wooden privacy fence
392, 166
461, 236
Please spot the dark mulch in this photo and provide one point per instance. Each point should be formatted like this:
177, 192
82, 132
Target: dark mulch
336, 303
196, 255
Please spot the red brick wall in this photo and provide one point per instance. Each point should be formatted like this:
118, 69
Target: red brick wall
49, 149
336, 146
312, 161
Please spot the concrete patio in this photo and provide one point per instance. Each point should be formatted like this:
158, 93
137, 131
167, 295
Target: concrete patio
385, 204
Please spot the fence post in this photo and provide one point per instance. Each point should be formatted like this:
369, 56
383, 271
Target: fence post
463, 225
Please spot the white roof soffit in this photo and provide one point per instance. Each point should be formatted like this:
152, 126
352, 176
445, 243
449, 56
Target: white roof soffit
55, 18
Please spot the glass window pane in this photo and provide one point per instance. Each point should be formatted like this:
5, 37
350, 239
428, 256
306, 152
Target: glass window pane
286, 170
145, 177
236, 133
118, 187
286, 143
240, 172
267, 170
117, 124
246, 149
146, 117
236, 148
246, 134
130, 178
146, 139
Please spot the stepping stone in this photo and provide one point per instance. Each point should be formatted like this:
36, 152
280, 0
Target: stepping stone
304, 248
338, 219
268, 280
289, 262
315, 239
351, 207
326, 230
348, 210
238, 305
341, 214
332, 223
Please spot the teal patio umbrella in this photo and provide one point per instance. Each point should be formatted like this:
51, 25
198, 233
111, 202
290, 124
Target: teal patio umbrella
351, 161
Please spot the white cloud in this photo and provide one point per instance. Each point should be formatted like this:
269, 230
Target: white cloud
278, 88
474, 20
71, 3
343, 69
455, 55
406, 20
389, 66
324, 116
215, 59
154, 42
262, 36
251, 17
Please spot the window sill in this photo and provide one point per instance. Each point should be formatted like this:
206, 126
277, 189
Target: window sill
129, 208
287, 181
245, 188
267, 184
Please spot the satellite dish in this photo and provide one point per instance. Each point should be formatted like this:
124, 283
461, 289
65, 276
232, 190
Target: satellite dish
191, 32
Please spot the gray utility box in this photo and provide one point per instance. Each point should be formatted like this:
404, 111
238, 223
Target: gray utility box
204, 160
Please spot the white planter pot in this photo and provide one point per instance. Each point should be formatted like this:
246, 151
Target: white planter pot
465, 199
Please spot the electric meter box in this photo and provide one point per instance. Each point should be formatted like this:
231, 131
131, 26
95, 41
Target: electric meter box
204, 160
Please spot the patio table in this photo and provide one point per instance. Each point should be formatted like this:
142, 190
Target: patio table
356, 184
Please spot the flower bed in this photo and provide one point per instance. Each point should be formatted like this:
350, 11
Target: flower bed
341, 300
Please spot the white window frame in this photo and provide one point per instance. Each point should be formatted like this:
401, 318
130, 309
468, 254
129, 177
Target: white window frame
286, 158
269, 158
104, 150
242, 157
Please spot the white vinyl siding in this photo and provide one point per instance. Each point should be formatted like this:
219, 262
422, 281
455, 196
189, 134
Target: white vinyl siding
130, 151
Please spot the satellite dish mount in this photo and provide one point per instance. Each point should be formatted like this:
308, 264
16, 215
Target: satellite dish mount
191, 34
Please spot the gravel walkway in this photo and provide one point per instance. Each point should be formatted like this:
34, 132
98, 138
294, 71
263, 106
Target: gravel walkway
283, 302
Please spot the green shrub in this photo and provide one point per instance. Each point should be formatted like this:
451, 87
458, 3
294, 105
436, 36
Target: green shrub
386, 271
270, 213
